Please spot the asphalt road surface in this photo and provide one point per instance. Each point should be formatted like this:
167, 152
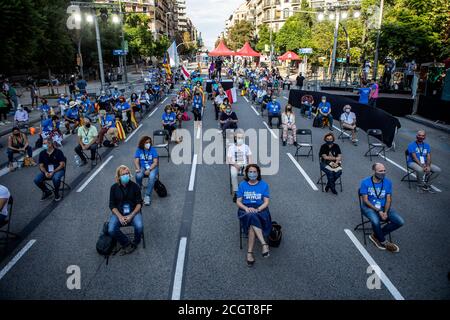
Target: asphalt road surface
192, 236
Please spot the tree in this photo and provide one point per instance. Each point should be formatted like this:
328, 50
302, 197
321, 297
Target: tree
241, 32
139, 36
264, 38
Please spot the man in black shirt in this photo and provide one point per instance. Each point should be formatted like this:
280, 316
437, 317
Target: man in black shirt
266, 99
330, 161
300, 78
52, 164
228, 119
125, 202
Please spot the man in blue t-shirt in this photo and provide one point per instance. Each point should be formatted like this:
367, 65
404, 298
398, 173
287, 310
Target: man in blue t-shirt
419, 159
72, 117
324, 111
364, 93
146, 163
81, 84
376, 193
274, 111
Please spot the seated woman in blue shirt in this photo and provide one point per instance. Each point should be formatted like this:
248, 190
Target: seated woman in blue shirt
253, 203
169, 120
146, 163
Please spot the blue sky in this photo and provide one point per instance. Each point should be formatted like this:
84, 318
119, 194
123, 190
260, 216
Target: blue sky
209, 17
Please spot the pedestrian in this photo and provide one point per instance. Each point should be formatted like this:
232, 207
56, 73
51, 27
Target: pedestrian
300, 79
81, 85
330, 162
364, 93
373, 96
3, 108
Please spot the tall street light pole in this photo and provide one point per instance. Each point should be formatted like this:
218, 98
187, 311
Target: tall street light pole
99, 49
375, 60
124, 57
336, 32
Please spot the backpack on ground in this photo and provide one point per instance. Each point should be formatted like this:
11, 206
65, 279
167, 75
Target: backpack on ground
275, 235
105, 243
316, 123
160, 189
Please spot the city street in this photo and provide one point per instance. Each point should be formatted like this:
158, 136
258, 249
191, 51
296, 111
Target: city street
192, 236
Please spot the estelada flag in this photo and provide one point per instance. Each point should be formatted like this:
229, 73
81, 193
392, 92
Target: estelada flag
120, 132
231, 94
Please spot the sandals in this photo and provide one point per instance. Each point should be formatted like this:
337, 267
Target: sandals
266, 254
250, 263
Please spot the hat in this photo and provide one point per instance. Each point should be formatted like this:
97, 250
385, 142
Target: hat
72, 104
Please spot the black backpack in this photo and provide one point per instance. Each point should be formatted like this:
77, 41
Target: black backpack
316, 123
160, 189
105, 243
275, 235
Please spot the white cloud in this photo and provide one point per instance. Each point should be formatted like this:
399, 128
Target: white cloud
209, 17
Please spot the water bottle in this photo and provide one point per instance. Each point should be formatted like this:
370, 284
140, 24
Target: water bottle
77, 160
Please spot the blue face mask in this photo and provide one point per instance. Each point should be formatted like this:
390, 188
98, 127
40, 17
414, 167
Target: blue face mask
125, 178
45, 146
252, 175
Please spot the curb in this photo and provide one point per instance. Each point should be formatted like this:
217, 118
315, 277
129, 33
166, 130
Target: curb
429, 123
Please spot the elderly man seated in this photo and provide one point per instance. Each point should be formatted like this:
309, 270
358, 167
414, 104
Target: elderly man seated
21, 117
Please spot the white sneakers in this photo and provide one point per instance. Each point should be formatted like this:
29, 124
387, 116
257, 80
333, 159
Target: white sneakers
147, 200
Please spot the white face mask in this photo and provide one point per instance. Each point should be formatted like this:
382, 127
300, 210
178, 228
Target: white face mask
240, 141
347, 110
147, 145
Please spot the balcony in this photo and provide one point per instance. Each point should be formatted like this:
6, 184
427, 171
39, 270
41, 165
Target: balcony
267, 4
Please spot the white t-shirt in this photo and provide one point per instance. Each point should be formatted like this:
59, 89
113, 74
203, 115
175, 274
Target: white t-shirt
348, 118
4, 194
239, 154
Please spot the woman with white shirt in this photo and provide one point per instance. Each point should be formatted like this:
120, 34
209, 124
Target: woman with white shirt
288, 123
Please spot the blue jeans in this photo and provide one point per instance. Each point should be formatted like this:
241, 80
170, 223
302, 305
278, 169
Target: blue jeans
11, 152
151, 180
331, 175
330, 119
114, 229
395, 221
57, 177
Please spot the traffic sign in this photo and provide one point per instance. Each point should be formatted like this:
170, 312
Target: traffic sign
119, 52
305, 50
342, 60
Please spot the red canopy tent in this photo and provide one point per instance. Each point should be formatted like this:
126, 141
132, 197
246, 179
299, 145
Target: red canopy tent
289, 56
221, 50
247, 51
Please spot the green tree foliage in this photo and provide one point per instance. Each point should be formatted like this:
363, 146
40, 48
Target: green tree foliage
140, 38
241, 32
264, 38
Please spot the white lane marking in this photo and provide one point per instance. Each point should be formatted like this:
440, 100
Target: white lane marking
94, 174
246, 99
133, 133
152, 113
392, 289
285, 97
5, 171
178, 276
345, 133
404, 170
257, 113
16, 258
163, 100
271, 131
192, 177
199, 130
303, 172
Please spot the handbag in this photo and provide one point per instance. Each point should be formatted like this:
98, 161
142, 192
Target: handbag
160, 189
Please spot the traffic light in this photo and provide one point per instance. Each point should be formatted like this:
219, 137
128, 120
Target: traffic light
104, 14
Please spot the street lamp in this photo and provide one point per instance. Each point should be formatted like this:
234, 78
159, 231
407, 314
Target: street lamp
115, 19
89, 18
375, 60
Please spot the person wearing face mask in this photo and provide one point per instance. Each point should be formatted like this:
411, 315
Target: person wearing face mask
348, 120
228, 119
288, 123
330, 162
307, 104
72, 117
169, 120
419, 159
274, 111
21, 117
218, 101
87, 140
197, 106
376, 192
324, 111
52, 166
146, 164
253, 203
125, 202
238, 156
18, 143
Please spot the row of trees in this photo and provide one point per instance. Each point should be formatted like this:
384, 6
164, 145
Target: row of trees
411, 29
35, 39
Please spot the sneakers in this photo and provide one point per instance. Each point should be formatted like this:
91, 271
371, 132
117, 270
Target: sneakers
234, 197
46, 195
147, 200
377, 243
391, 247
128, 249
284, 143
57, 197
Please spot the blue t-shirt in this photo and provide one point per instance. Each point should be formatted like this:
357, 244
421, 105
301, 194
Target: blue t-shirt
253, 195
72, 113
45, 108
47, 125
169, 117
109, 121
123, 106
63, 101
420, 149
274, 107
364, 95
81, 84
197, 102
146, 157
325, 107
377, 195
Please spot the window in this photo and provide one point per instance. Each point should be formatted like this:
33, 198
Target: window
286, 13
134, 8
144, 9
277, 14
286, 1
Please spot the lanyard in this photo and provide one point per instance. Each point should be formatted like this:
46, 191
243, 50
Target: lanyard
86, 134
420, 149
145, 154
375, 190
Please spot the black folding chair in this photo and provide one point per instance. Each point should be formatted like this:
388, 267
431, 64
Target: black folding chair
322, 183
63, 186
409, 171
130, 234
98, 157
7, 225
242, 235
345, 133
367, 230
375, 142
164, 135
303, 143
